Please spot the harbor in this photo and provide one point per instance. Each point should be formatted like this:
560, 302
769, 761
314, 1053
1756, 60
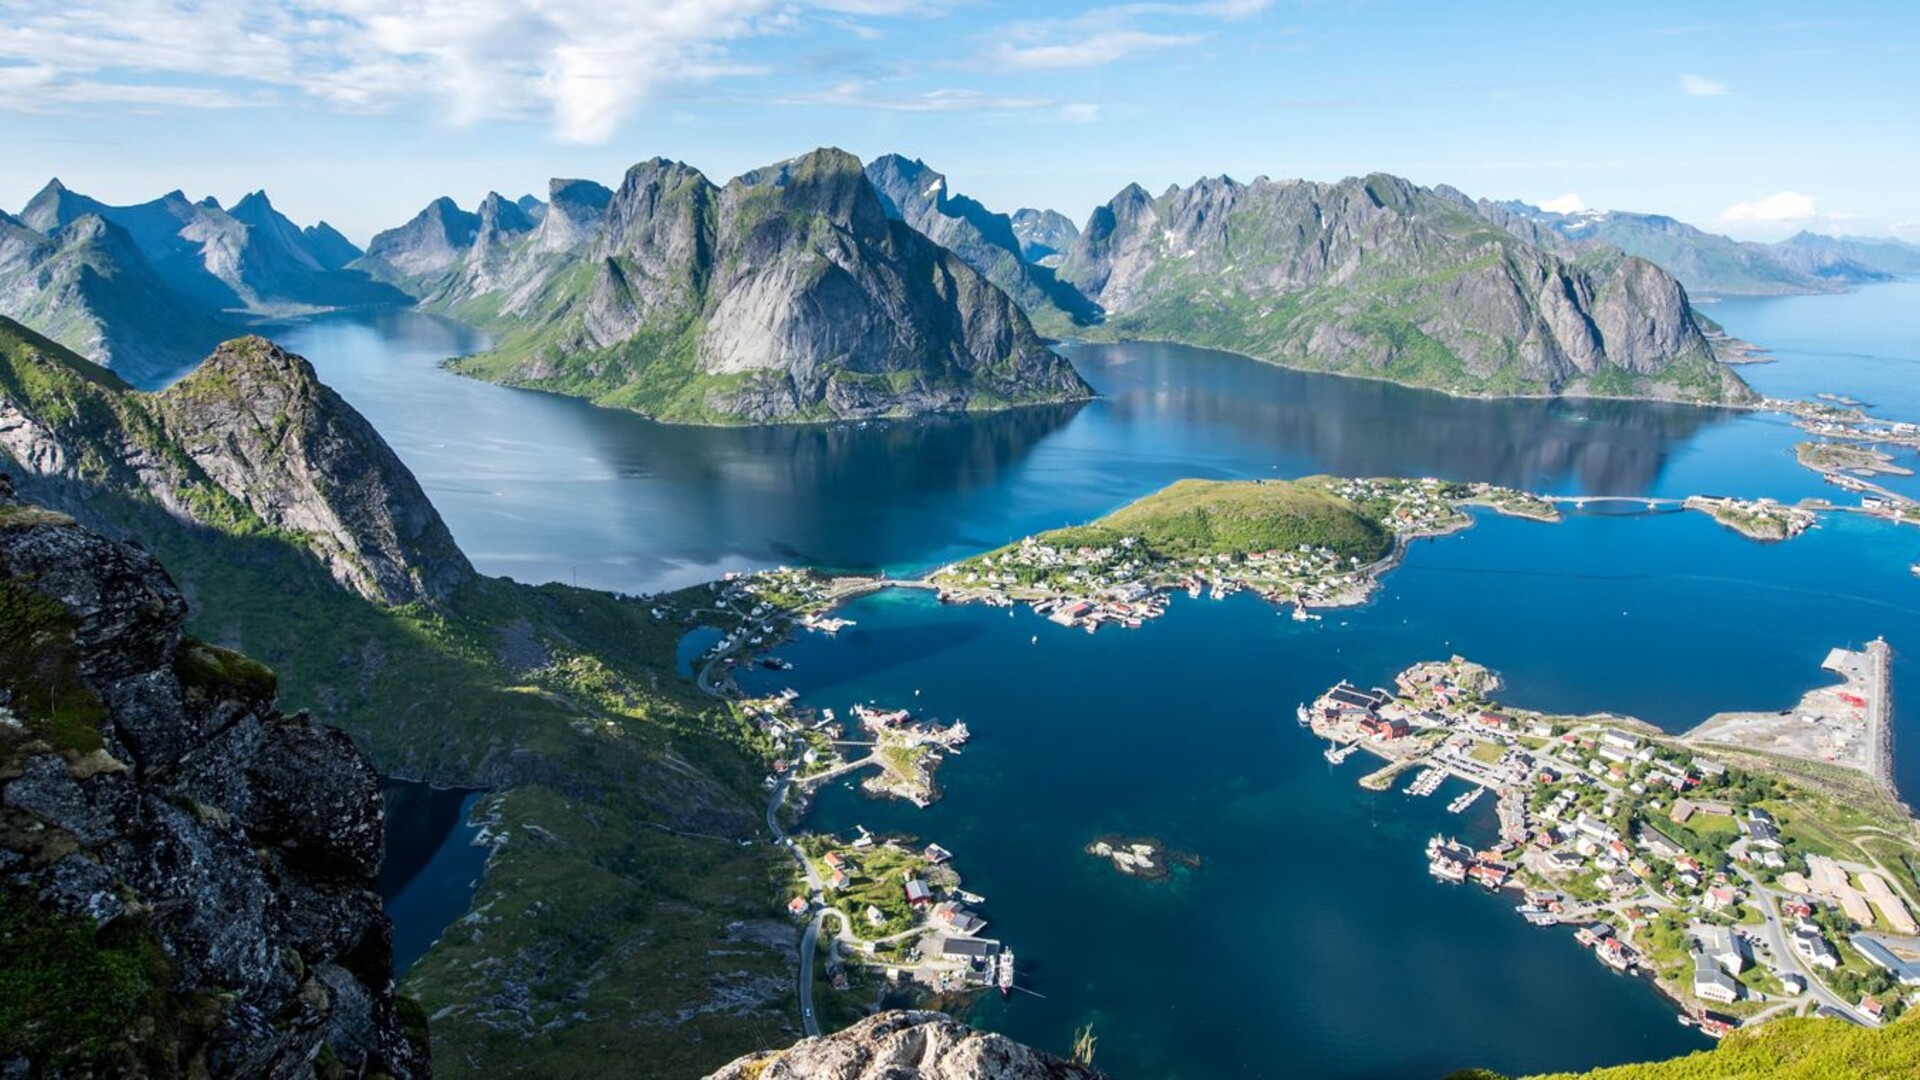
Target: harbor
1692, 870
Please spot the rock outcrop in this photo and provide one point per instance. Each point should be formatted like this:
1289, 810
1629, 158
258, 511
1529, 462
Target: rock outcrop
906, 1045
186, 873
252, 436
989, 242
1378, 277
787, 295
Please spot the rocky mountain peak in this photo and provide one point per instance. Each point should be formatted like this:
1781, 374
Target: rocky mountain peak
906, 1045
260, 423
204, 862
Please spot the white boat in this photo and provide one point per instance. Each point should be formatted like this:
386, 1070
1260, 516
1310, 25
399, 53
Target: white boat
1305, 717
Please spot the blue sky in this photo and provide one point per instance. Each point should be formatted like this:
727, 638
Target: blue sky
1752, 118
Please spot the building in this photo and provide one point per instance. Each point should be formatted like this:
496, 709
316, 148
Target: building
1720, 898
1660, 843
834, 860
1712, 984
1369, 700
1383, 728
1725, 947
797, 906
838, 879
1906, 971
917, 892
1813, 947
935, 854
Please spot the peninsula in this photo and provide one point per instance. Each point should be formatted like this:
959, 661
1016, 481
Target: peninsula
1751, 874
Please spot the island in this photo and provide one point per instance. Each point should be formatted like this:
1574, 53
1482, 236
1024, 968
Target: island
1828, 457
1143, 857
1758, 866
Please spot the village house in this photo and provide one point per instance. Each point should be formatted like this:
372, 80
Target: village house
1725, 947
1712, 984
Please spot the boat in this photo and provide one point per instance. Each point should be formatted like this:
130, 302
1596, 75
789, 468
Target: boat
1464, 800
1003, 972
1338, 754
1300, 614
1305, 717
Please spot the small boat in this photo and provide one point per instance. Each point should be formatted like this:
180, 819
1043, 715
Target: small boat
1305, 717
1003, 972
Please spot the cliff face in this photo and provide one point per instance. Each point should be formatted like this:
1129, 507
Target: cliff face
187, 873
905, 1045
253, 430
1382, 278
1043, 234
786, 295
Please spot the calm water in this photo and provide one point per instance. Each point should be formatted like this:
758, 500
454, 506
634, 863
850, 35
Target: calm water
1313, 911
1313, 925
543, 488
431, 868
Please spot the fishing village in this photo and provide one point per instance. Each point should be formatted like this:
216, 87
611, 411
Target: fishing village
1755, 867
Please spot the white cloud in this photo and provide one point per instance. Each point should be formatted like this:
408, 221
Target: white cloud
1701, 86
860, 94
1090, 51
1784, 206
1109, 34
1570, 203
585, 65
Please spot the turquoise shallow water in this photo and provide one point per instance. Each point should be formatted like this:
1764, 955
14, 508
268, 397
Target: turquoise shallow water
1312, 941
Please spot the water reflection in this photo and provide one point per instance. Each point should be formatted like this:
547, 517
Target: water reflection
545, 488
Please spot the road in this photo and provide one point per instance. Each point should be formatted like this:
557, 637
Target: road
1783, 951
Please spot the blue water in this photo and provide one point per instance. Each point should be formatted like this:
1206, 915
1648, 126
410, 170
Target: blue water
1313, 910
432, 866
1312, 941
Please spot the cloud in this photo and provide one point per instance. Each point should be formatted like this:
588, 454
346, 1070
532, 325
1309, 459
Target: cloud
1701, 86
1106, 35
1784, 206
1570, 203
582, 65
1090, 51
860, 94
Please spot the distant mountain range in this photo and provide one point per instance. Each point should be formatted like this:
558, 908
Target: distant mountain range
1378, 277
792, 293
1712, 265
820, 288
149, 289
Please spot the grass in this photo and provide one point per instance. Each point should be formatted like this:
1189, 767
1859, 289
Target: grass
71, 996
1793, 1048
1191, 518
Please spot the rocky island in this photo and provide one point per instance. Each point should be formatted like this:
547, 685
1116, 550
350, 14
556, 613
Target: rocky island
1143, 857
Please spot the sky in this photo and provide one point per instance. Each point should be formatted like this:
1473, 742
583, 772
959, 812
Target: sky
1755, 119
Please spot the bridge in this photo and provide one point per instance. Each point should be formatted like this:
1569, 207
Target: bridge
1579, 502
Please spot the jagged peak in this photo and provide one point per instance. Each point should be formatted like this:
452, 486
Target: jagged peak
209, 203
580, 194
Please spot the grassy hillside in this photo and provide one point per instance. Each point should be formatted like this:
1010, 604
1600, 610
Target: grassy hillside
611, 926
1191, 518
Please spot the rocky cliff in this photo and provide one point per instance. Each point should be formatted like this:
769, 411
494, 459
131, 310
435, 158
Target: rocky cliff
252, 440
786, 295
186, 873
1378, 277
905, 1045
916, 194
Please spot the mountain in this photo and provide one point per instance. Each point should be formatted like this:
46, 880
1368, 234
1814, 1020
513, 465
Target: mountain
189, 871
1380, 278
330, 249
251, 259
1043, 234
88, 286
433, 240
1708, 263
628, 920
913, 193
251, 433
906, 1045
787, 295
1848, 258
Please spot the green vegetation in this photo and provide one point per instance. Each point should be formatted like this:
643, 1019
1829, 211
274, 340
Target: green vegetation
1794, 1048
565, 701
1192, 518
41, 666
70, 995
